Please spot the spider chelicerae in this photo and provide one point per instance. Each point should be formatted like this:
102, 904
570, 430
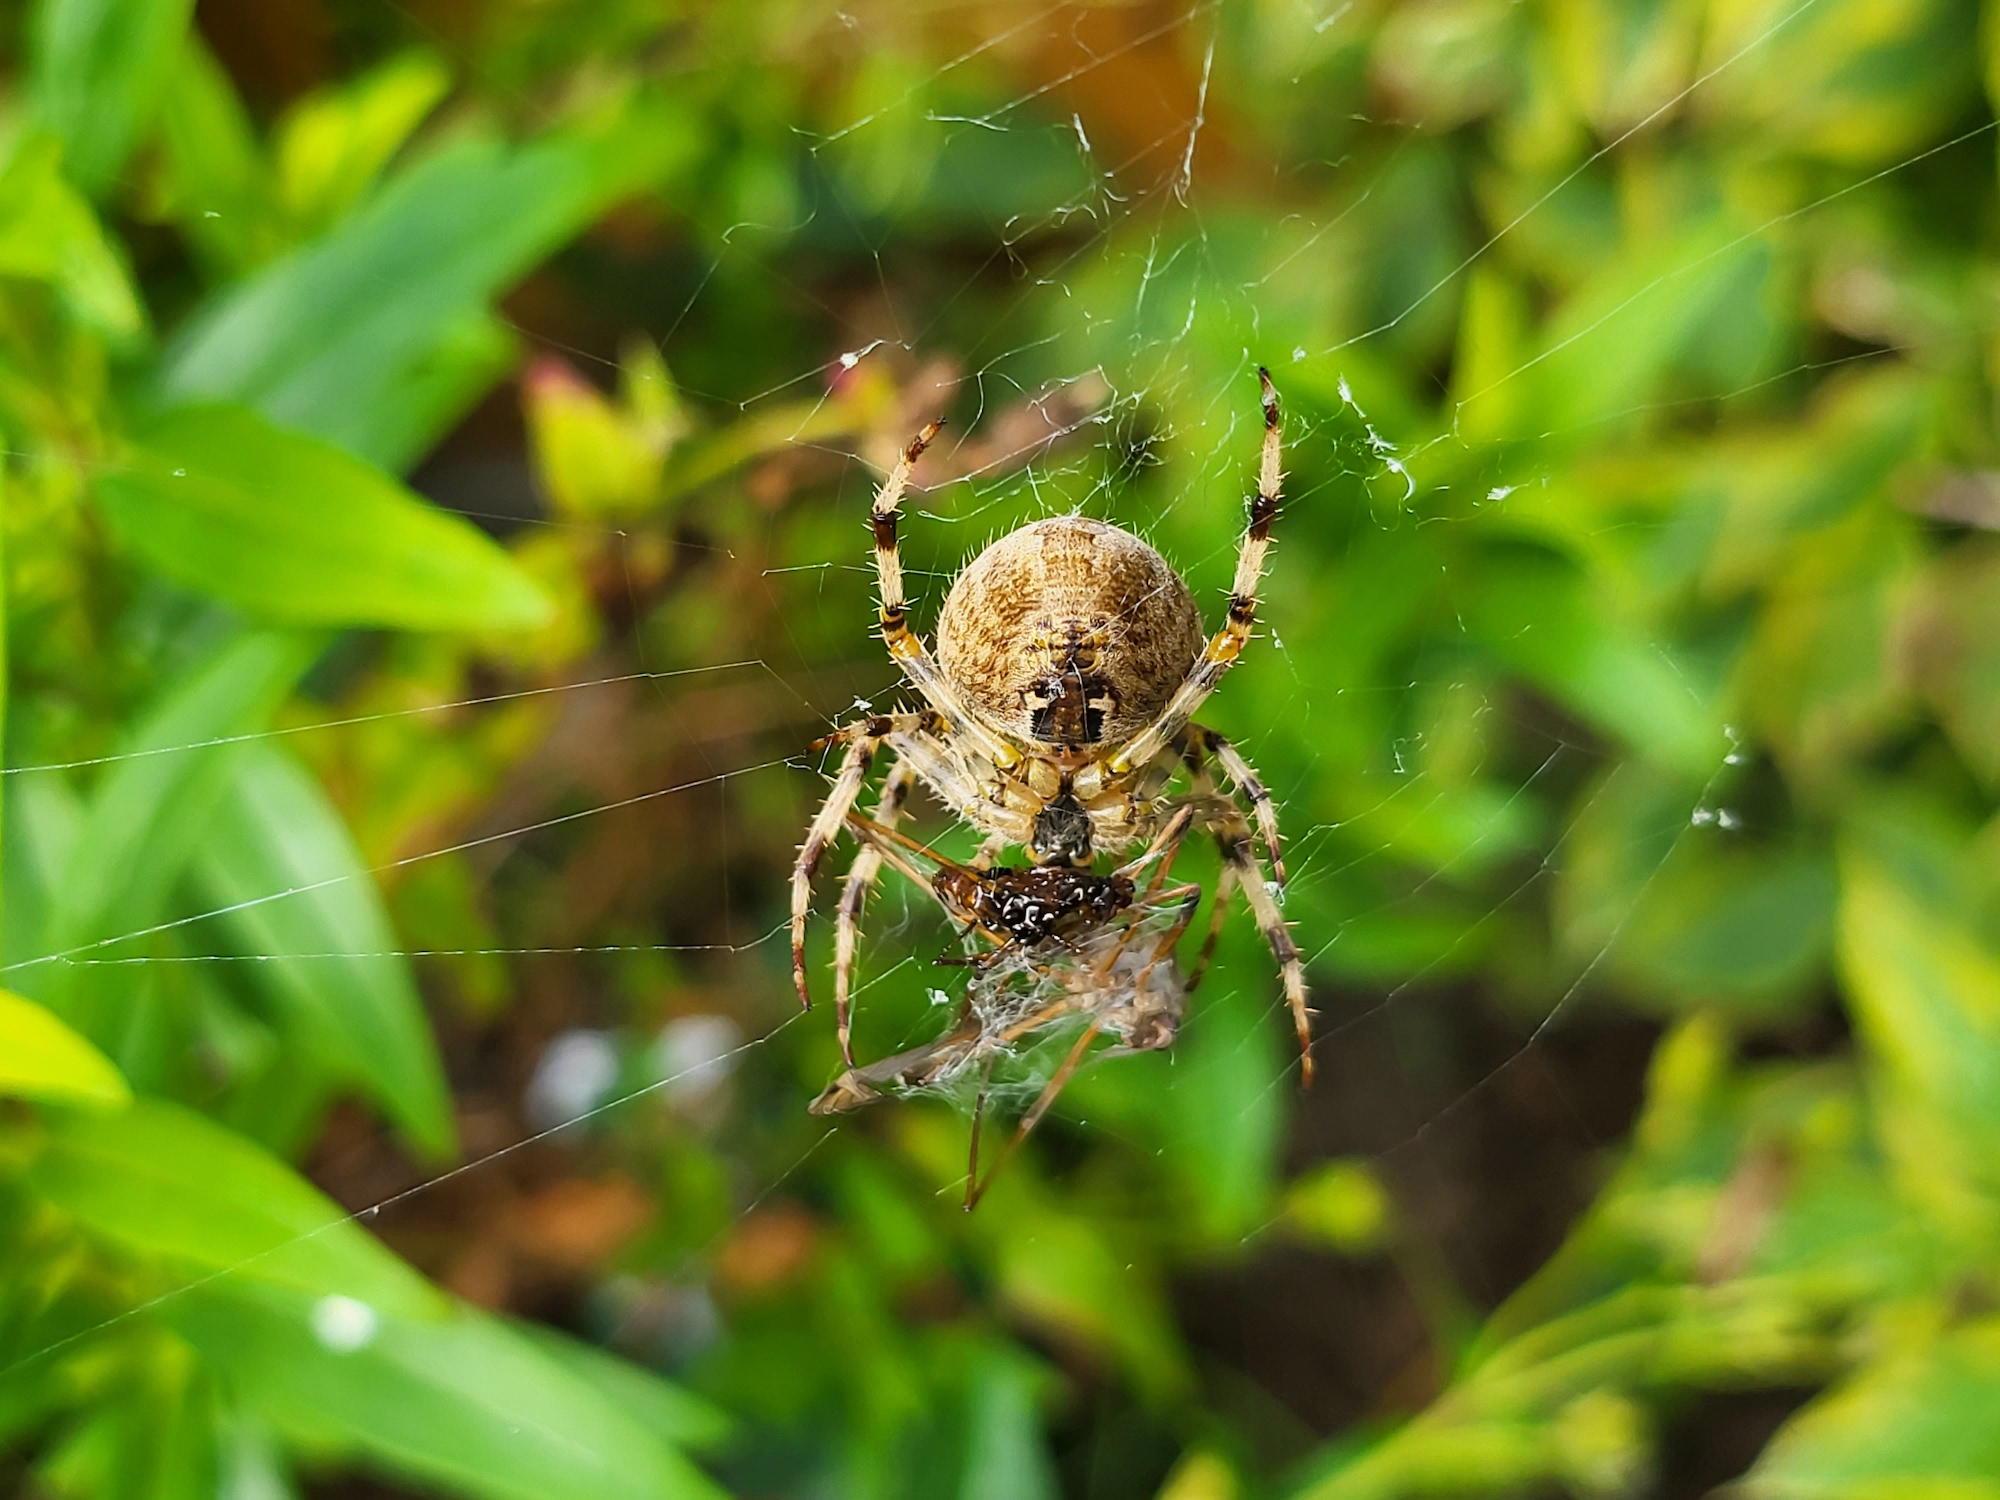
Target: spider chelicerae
1059, 712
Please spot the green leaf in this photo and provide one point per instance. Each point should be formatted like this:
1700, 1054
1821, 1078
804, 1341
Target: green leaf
96, 68
1691, 308
294, 530
440, 386
1920, 1423
154, 1439
461, 1401
325, 339
1686, 910
148, 812
48, 233
332, 970
675, 1414
1541, 617
1925, 996
115, 871
167, 1185
40, 1058
214, 179
332, 144
1845, 81
1058, 1271
1006, 1456
595, 457
39, 816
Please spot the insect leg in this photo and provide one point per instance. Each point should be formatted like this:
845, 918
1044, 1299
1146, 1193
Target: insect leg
975, 1190
972, 1152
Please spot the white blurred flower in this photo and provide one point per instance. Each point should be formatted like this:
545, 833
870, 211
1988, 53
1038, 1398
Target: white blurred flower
344, 1324
577, 1070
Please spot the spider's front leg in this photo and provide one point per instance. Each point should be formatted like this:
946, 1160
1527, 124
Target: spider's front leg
1227, 644
893, 612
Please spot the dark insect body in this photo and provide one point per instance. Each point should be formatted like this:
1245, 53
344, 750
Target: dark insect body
1033, 905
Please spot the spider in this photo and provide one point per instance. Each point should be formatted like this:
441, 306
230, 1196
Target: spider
1059, 706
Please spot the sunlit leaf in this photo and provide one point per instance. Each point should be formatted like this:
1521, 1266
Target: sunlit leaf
1854, 81
294, 530
48, 233
332, 144
40, 1058
174, 1189
1818, 678
1918, 1423
1925, 995
592, 457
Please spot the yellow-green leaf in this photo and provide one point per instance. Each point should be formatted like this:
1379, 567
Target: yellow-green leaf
40, 1058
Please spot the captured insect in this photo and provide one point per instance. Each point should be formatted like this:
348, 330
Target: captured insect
1059, 712
1117, 974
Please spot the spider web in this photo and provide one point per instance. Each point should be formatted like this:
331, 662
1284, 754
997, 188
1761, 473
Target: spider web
1092, 365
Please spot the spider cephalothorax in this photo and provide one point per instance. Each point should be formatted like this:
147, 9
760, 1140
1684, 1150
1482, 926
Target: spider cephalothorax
1060, 705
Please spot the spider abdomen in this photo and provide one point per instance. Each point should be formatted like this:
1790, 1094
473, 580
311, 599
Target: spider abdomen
1068, 633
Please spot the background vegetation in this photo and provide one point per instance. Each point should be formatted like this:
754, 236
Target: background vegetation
436, 436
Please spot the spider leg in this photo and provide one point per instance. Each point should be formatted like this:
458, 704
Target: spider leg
825, 825
1198, 739
904, 644
862, 738
854, 896
903, 854
1226, 645
1241, 863
1191, 750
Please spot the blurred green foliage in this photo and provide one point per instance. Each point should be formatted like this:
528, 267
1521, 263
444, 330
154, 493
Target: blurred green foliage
1630, 662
